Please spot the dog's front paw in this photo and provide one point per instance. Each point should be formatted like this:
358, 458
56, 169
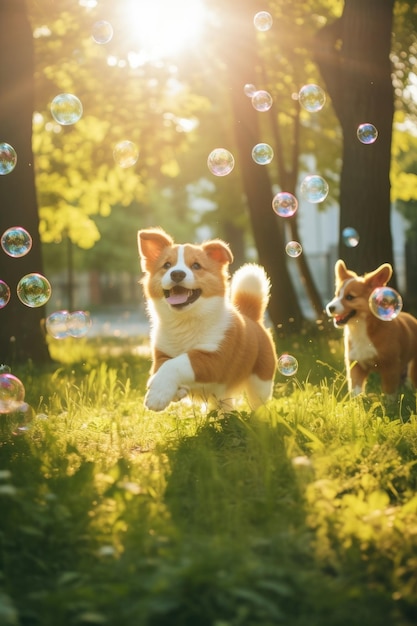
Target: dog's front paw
160, 393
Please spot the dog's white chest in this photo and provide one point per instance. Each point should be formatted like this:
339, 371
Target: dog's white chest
357, 343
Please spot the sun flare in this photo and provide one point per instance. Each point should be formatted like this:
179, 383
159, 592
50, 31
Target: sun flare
163, 28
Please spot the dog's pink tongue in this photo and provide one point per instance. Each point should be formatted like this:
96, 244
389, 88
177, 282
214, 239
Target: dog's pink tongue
178, 298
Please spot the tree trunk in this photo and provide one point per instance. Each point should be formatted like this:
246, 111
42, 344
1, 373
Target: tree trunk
21, 335
353, 56
241, 60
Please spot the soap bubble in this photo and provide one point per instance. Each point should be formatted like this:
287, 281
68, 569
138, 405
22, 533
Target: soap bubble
66, 109
293, 249
16, 241
34, 290
314, 189
312, 98
249, 90
262, 153
57, 324
285, 204
79, 323
262, 20
8, 158
12, 393
262, 100
125, 153
220, 162
287, 365
367, 133
4, 294
350, 237
385, 303
102, 32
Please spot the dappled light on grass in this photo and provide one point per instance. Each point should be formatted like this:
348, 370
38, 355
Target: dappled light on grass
303, 512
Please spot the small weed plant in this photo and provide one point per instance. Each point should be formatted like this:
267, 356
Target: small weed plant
301, 514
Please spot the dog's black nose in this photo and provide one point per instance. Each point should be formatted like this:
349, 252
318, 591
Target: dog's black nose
177, 275
330, 309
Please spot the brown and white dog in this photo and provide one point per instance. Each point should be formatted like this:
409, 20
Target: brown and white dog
206, 339
372, 344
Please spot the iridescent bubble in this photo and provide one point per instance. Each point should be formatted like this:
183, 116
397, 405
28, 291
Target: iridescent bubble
385, 303
220, 162
262, 153
57, 324
16, 241
262, 20
125, 153
66, 109
285, 204
262, 100
367, 133
34, 290
8, 158
4, 294
293, 249
312, 98
102, 32
350, 237
314, 189
12, 393
249, 90
287, 365
79, 323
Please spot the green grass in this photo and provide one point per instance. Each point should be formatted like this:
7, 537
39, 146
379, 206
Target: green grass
302, 514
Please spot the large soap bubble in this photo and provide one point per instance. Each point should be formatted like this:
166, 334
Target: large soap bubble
34, 290
16, 241
66, 109
385, 303
8, 158
220, 162
12, 393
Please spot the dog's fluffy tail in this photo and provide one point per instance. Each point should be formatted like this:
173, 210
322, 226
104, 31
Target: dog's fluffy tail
249, 291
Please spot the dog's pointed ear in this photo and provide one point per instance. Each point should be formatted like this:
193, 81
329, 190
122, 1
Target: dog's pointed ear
219, 251
341, 272
151, 242
380, 276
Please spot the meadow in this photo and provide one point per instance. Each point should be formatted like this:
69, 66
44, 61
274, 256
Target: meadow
301, 514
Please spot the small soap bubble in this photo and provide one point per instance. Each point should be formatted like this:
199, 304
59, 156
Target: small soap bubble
125, 153
102, 32
12, 393
4, 294
294, 249
57, 324
79, 323
262, 21
350, 237
249, 90
8, 158
285, 204
385, 303
34, 290
367, 133
287, 365
312, 98
220, 162
66, 109
16, 241
262, 100
262, 153
314, 189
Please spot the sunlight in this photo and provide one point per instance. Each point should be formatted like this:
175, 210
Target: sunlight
164, 28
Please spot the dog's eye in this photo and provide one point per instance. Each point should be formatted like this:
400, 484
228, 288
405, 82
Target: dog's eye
350, 297
167, 265
196, 266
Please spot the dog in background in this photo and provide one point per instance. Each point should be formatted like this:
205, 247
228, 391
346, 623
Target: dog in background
371, 344
207, 338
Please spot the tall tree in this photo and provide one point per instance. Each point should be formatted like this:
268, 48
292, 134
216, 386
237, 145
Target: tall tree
353, 54
21, 335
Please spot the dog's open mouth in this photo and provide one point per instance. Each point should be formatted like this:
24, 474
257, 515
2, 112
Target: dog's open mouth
181, 296
341, 320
